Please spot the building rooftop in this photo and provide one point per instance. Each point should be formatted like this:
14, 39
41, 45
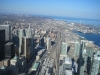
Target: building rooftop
68, 72
67, 60
35, 66
4, 25
9, 43
15, 57
3, 67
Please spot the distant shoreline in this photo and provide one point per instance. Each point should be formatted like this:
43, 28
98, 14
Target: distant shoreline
86, 22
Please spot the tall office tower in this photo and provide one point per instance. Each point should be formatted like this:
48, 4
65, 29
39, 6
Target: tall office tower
20, 32
8, 31
26, 37
9, 50
63, 51
26, 47
32, 43
2, 43
77, 48
48, 43
42, 42
28, 32
95, 63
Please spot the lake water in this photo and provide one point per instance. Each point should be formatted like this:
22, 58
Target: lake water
91, 22
91, 37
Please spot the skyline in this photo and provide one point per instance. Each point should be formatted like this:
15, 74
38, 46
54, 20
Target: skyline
64, 8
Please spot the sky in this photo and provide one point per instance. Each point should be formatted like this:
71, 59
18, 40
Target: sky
64, 8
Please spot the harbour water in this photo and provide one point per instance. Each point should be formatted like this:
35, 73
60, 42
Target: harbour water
92, 37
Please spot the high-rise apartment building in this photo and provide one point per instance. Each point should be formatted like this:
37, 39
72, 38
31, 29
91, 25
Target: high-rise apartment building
77, 48
82, 58
63, 51
95, 63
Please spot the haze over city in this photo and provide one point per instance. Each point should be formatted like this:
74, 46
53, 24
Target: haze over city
64, 8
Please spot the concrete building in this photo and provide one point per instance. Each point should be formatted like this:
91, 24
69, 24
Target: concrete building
43, 32
20, 35
13, 62
8, 31
48, 43
2, 43
9, 50
5, 62
20, 63
40, 54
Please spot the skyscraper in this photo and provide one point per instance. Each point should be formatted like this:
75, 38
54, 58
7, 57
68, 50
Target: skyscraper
63, 51
26, 47
77, 48
41, 42
8, 31
2, 42
20, 32
9, 50
48, 43
95, 63
82, 58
